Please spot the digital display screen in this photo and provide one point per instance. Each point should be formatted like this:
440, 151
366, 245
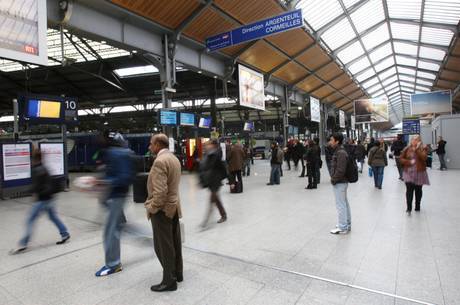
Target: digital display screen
187, 119
411, 126
168, 117
249, 126
44, 109
41, 109
251, 88
205, 122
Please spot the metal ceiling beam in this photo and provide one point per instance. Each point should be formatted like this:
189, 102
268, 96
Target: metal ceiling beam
422, 44
273, 46
192, 17
339, 18
422, 13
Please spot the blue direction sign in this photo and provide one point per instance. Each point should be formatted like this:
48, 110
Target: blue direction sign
411, 126
256, 30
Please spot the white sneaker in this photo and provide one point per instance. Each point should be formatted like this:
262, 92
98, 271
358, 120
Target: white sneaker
339, 231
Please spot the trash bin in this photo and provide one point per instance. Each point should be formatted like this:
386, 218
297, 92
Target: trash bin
140, 188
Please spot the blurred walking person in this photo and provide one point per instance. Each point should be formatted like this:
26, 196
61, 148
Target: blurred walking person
441, 152
118, 178
164, 210
396, 148
378, 160
413, 158
312, 164
360, 153
212, 172
44, 189
276, 161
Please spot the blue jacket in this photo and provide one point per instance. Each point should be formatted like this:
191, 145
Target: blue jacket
119, 170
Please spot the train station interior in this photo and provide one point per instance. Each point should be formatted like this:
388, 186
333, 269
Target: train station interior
92, 89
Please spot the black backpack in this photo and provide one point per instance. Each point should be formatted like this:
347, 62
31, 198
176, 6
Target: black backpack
352, 170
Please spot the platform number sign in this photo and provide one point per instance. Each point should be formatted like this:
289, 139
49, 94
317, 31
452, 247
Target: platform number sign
71, 109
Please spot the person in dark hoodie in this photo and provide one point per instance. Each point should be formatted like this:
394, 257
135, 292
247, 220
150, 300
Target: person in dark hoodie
43, 187
312, 165
212, 172
396, 148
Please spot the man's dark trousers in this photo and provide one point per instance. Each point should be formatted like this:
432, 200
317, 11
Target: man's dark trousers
167, 244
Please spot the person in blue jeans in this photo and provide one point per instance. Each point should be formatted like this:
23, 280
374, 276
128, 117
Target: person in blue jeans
377, 159
43, 188
339, 183
118, 178
275, 162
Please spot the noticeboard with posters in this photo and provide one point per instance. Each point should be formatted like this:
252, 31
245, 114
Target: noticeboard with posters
341, 119
53, 158
315, 109
431, 102
16, 161
23, 31
372, 110
251, 88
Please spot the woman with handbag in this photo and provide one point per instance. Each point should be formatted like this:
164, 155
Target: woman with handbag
378, 160
413, 158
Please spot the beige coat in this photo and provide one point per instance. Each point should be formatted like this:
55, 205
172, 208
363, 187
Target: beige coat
236, 158
163, 186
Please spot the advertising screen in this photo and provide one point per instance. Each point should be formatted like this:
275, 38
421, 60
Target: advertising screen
371, 110
315, 110
249, 126
23, 31
16, 161
341, 119
205, 122
251, 88
431, 102
168, 117
187, 119
40, 109
53, 158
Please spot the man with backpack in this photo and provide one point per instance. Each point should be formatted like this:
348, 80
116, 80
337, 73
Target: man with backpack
343, 171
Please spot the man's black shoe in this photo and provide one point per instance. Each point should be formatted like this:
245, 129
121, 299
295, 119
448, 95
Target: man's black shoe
164, 287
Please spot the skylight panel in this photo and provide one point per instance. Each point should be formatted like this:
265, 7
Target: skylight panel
376, 37
136, 71
405, 48
389, 80
374, 88
350, 53
431, 53
381, 52
405, 61
423, 82
391, 91
393, 85
387, 73
404, 31
426, 75
436, 36
407, 84
378, 93
406, 70
368, 15
370, 82
365, 75
446, 11
339, 34
407, 9
359, 65
329, 9
423, 89
428, 65
407, 78
385, 64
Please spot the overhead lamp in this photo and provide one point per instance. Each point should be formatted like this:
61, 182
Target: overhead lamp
199, 71
299, 108
103, 41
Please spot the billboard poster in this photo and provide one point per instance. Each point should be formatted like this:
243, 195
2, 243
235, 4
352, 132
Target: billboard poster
315, 109
353, 122
251, 88
53, 158
341, 119
431, 102
373, 110
16, 161
23, 34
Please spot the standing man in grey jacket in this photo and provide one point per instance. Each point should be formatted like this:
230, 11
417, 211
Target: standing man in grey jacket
340, 184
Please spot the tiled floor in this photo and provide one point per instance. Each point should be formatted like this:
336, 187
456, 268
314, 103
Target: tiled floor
275, 248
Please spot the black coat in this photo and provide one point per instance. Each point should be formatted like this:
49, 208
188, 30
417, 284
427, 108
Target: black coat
212, 170
42, 184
